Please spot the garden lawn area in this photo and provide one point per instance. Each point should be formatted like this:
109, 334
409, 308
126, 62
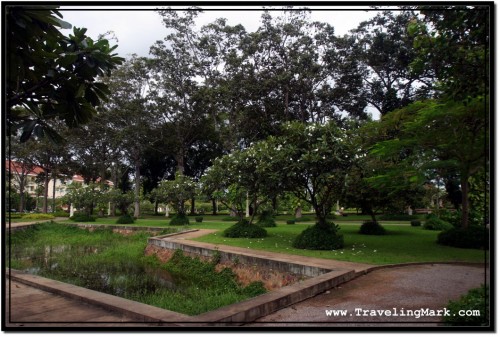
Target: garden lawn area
402, 244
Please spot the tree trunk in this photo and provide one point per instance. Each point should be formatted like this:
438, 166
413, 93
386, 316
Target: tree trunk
464, 185
298, 212
180, 161
214, 207
21, 196
156, 207
137, 206
45, 193
54, 195
193, 206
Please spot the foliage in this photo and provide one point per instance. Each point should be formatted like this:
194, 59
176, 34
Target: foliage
434, 223
120, 199
85, 197
290, 222
179, 220
198, 219
471, 237
415, 223
125, 219
244, 229
51, 75
475, 299
82, 217
35, 216
320, 237
372, 228
384, 50
266, 219
313, 160
176, 192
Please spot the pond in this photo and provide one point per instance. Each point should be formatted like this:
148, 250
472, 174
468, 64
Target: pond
116, 264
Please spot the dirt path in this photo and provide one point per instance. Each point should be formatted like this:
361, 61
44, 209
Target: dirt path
409, 287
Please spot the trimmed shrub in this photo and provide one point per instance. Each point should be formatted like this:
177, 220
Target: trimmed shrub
243, 229
37, 216
320, 237
372, 228
266, 219
475, 299
436, 224
198, 219
179, 220
471, 237
416, 223
82, 217
125, 219
290, 222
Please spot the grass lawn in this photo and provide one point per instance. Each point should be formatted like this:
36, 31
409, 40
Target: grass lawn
403, 243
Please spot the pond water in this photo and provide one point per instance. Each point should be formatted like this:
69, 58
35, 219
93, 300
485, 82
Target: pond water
75, 264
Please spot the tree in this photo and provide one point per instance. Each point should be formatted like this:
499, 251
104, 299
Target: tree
83, 197
19, 166
176, 192
51, 75
385, 51
130, 117
446, 135
314, 162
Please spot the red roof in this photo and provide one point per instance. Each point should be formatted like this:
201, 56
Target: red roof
17, 167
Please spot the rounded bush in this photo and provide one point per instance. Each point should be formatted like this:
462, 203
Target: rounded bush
472, 237
372, 228
82, 217
198, 219
416, 223
125, 219
290, 222
243, 229
436, 224
179, 220
266, 219
320, 237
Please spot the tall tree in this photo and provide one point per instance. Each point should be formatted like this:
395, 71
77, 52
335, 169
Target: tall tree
385, 50
130, 116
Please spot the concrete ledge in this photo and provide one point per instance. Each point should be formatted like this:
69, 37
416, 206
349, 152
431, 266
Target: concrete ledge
250, 310
139, 311
249, 259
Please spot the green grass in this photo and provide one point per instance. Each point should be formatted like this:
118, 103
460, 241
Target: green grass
402, 244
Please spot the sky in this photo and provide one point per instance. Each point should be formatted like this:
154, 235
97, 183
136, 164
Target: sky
138, 28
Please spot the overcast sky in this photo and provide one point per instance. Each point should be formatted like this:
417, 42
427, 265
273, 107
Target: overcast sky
138, 28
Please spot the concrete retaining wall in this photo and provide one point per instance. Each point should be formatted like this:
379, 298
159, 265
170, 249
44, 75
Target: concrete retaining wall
294, 268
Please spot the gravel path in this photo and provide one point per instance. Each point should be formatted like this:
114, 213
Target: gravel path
409, 287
